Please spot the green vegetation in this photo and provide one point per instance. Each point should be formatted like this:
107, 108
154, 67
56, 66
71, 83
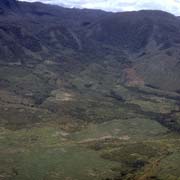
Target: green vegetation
45, 153
85, 127
88, 95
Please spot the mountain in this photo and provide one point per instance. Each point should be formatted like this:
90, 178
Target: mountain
37, 32
8, 5
88, 87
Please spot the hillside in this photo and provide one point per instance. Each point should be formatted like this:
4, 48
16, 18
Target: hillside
88, 87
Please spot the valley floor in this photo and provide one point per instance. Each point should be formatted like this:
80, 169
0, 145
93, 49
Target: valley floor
96, 132
119, 149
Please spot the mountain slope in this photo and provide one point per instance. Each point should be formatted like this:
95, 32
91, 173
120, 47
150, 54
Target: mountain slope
88, 87
39, 32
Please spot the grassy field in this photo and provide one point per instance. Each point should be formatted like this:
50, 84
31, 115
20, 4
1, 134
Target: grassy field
118, 148
46, 153
86, 127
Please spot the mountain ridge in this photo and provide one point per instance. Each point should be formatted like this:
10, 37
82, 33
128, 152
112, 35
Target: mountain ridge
37, 32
